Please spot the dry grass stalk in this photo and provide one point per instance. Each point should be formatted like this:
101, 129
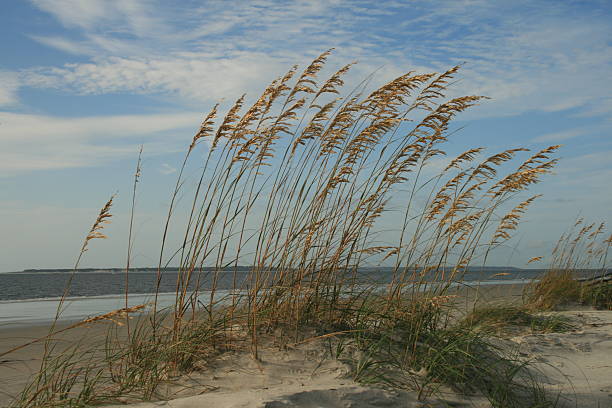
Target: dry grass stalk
98, 226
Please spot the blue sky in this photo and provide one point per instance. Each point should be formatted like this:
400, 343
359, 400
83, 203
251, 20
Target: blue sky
84, 82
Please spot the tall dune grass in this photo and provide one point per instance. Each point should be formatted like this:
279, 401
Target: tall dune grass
296, 184
585, 246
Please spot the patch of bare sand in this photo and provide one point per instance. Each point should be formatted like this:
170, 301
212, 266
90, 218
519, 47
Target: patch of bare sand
304, 377
576, 364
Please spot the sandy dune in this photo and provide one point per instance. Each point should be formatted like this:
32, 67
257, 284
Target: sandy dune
577, 365
301, 377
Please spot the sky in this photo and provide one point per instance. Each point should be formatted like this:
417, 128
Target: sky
84, 83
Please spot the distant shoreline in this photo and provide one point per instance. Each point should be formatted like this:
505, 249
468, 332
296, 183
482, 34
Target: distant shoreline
583, 273
247, 268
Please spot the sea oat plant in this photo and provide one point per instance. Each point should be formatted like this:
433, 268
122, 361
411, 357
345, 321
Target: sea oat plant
296, 185
584, 247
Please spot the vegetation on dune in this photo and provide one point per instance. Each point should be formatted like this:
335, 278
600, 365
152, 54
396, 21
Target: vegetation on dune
583, 247
503, 318
599, 295
296, 184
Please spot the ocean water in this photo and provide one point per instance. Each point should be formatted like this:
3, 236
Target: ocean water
45, 284
33, 296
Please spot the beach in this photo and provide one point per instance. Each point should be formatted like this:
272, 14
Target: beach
576, 365
342, 204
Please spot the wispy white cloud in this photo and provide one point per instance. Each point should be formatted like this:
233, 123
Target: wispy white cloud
90, 15
528, 56
525, 55
64, 44
167, 169
595, 161
601, 106
563, 135
581, 183
37, 128
552, 65
35, 142
9, 84
202, 78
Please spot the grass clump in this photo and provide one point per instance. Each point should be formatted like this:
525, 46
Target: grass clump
554, 289
599, 295
560, 289
582, 248
296, 185
508, 318
137, 365
418, 348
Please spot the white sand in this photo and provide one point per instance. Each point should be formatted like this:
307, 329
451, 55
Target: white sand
578, 366
298, 377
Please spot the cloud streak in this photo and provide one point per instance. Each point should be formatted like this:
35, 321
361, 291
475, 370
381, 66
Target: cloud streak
8, 88
37, 142
561, 136
520, 57
204, 77
517, 53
